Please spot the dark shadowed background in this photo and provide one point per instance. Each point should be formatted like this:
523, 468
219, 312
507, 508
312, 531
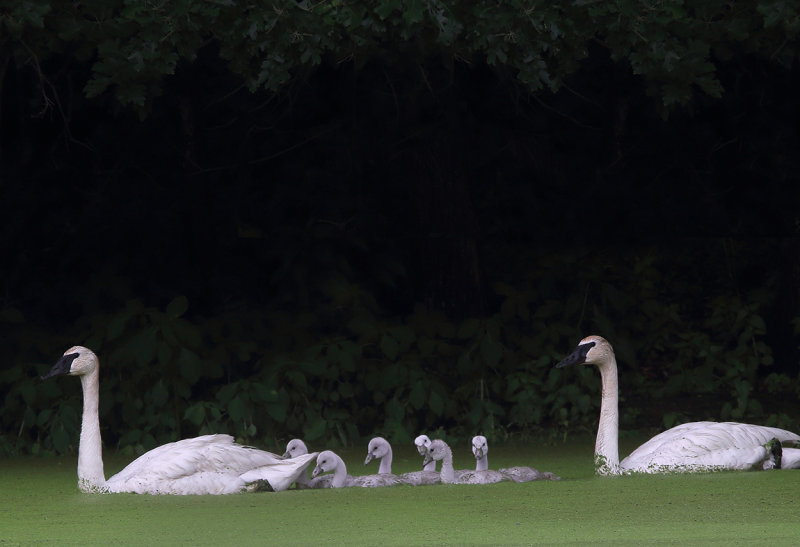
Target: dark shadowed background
333, 221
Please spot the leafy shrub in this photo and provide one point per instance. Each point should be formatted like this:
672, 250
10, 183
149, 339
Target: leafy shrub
346, 372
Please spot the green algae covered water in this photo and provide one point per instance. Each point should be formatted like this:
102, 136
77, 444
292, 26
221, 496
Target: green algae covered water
40, 504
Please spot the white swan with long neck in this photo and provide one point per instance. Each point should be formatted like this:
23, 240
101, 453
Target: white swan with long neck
690, 447
210, 464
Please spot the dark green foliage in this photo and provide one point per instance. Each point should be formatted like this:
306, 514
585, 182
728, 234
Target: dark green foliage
133, 45
166, 374
252, 263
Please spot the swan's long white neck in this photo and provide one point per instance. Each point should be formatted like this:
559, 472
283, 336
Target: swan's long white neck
90, 451
606, 448
386, 462
482, 464
448, 474
339, 473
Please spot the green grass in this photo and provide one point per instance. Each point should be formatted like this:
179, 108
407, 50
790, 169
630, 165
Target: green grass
40, 503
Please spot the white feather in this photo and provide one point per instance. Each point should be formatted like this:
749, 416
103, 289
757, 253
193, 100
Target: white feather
210, 464
691, 447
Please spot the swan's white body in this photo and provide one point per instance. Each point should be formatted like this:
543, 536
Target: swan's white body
330, 461
210, 464
690, 447
420, 478
519, 473
523, 473
440, 451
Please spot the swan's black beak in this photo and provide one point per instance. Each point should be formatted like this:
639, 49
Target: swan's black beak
369, 458
577, 357
62, 366
428, 459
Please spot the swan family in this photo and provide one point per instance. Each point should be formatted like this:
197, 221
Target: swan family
690, 447
215, 464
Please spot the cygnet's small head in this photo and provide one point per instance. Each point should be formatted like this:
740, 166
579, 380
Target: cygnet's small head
326, 461
76, 361
592, 350
378, 447
422, 443
479, 446
436, 451
295, 448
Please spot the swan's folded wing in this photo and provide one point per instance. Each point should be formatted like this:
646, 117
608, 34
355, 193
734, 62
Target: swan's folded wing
280, 474
420, 478
185, 466
376, 480
705, 445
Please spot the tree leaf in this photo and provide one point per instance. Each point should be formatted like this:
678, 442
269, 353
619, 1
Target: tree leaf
389, 347
436, 403
414, 12
277, 411
385, 8
177, 307
236, 409
491, 351
315, 429
159, 394
417, 396
195, 414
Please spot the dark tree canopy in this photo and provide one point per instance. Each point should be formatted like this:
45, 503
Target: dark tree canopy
338, 218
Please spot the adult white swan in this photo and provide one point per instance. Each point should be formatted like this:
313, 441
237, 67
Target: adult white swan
211, 464
691, 447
